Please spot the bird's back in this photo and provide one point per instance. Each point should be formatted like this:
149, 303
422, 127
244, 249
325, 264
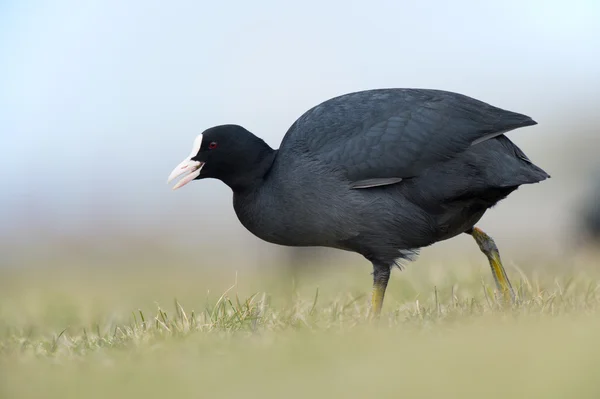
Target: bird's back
395, 131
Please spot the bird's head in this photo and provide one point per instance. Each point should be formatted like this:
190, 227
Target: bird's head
229, 153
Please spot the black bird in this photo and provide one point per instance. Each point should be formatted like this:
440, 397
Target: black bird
379, 172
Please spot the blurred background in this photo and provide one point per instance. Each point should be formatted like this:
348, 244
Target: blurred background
99, 100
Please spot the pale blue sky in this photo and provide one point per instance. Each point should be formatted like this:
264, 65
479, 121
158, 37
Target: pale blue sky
100, 99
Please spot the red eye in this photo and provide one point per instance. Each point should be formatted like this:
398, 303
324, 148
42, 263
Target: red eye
212, 145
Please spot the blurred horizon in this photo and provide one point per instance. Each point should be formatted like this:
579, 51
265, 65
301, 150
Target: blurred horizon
101, 99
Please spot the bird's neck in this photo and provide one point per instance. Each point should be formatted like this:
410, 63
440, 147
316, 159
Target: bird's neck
252, 171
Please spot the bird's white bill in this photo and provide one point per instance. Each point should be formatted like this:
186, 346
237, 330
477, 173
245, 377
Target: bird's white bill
189, 169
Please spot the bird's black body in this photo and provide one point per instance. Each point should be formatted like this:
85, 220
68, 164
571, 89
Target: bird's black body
303, 195
379, 172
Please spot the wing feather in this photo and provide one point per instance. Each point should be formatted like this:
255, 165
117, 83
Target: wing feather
385, 135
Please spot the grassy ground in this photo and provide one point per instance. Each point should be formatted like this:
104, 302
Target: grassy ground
149, 333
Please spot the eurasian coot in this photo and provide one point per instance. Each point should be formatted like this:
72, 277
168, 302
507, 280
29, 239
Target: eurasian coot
379, 172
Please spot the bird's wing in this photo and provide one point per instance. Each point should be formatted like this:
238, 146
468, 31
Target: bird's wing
380, 137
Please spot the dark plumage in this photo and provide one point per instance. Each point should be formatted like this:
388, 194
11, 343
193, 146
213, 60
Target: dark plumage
379, 172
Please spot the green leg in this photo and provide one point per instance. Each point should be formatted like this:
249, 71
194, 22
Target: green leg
381, 276
488, 247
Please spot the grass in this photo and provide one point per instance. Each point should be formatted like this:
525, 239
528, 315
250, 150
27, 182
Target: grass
74, 333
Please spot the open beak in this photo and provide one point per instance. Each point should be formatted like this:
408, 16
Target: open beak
189, 169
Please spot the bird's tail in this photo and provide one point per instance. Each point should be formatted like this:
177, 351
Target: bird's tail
526, 172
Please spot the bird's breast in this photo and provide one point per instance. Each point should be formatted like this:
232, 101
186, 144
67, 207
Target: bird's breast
262, 216
290, 216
